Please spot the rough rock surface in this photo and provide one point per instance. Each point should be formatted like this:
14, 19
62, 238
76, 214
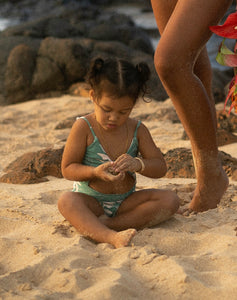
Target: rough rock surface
59, 38
58, 45
33, 167
226, 121
180, 163
226, 128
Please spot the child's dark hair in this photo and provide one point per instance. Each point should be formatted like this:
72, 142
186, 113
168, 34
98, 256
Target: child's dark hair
118, 78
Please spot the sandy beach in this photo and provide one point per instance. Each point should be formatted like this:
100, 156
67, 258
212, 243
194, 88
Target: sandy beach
43, 257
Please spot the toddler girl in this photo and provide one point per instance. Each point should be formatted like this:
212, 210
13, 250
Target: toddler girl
101, 157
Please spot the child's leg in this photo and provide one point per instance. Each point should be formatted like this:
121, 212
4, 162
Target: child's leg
178, 49
143, 209
82, 211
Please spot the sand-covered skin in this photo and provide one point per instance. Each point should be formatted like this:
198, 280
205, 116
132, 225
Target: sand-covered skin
43, 257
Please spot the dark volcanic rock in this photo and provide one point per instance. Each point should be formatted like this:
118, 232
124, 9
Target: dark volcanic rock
180, 163
67, 41
67, 123
32, 167
70, 34
225, 137
19, 71
219, 81
226, 121
60, 62
87, 29
226, 127
229, 164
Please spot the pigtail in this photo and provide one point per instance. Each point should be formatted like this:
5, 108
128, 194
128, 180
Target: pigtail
143, 72
93, 76
97, 65
118, 78
143, 75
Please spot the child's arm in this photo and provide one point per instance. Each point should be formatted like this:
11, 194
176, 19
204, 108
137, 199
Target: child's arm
74, 151
154, 163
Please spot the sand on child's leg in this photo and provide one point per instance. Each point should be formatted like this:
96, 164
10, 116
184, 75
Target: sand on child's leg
123, 238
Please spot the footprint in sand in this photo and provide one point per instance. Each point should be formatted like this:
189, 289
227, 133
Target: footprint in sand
65, 229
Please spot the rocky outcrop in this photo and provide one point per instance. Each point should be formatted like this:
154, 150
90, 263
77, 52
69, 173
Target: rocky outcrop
19, 72
226, 128
57, 40
47, 55
33, 167
180, 163
226, 121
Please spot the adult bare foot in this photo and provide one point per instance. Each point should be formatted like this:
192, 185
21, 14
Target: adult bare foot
185, 211
209, 192
123, 238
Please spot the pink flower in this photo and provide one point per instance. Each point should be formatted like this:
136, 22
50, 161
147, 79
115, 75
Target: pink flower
226, 57
228, 29
232, 94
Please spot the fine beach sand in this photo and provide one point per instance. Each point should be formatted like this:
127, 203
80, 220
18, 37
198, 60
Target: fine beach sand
43, 257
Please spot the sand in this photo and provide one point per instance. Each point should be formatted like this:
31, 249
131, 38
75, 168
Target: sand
43, 257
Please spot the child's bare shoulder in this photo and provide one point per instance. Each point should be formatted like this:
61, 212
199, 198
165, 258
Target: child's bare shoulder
136, 123
80, 127
81, 123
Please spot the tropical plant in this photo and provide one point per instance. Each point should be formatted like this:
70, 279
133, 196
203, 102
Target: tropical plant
227, 57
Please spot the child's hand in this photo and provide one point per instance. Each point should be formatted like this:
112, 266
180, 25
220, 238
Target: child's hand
107, 172
125, 163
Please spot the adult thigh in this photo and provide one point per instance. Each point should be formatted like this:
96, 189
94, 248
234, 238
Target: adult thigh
187, 31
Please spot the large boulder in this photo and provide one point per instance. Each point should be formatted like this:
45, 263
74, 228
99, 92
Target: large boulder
60, 63
79, 29
66, 42
19, 71
7, 44
180, 163
54, 67
33, 167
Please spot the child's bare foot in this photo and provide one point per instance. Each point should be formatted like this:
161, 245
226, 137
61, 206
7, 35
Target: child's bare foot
209, 192
123, 238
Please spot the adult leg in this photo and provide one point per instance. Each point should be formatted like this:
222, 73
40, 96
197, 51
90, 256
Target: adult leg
144, 208
181, 43
203, 70
82, 211
202, 67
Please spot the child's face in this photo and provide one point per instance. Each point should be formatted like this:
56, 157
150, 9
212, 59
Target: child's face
112, 113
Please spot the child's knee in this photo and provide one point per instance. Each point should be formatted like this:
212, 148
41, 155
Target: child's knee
64, 202
173, 201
